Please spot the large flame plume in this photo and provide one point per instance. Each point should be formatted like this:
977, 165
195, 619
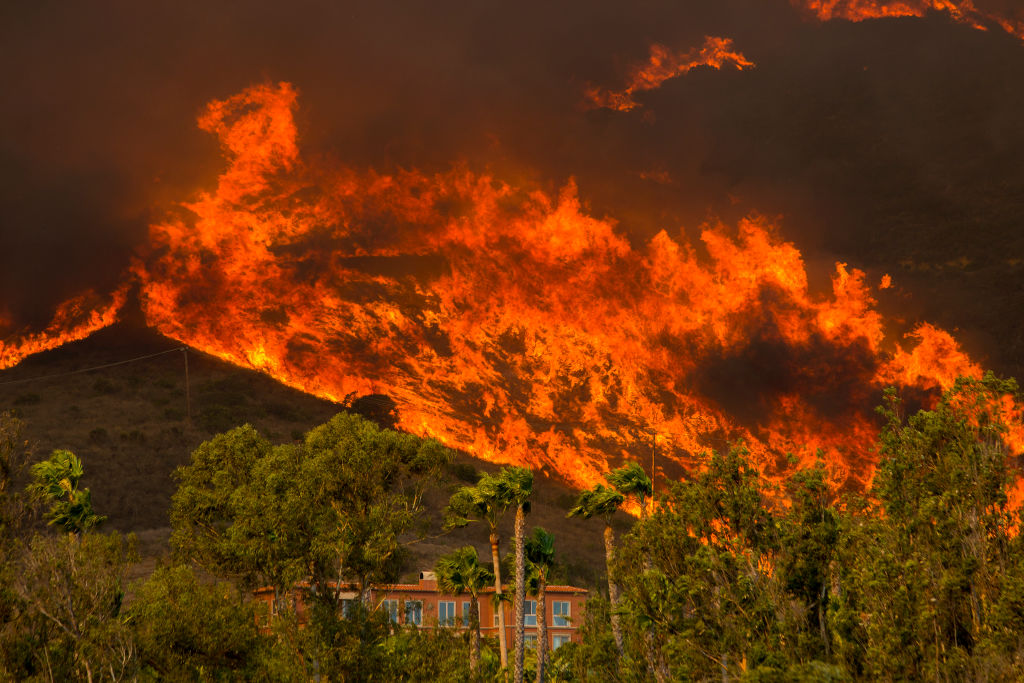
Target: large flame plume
513, 324
964, 11
663, 65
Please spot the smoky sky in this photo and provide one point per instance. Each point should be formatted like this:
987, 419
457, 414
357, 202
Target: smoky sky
894, 145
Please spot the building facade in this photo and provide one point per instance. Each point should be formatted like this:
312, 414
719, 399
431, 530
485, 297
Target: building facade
425, 605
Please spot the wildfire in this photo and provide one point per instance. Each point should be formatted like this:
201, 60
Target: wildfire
963, 11
515, 325
662, 65
74, 319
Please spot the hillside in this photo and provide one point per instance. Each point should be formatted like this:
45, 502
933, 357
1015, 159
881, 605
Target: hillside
128, 422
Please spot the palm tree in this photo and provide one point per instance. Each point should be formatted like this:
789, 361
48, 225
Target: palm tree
488, 500
55, 480
540, 553
515, 484
632, 481
461, 572
604, 501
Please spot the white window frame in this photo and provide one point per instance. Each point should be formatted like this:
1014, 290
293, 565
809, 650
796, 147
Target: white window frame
467, 610
563, 619
530, 613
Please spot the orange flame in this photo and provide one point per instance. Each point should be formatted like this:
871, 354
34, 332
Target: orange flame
74, 319
963, 11
515, 325
663, 65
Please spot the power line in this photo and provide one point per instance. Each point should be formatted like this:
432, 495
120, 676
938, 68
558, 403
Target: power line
41, 378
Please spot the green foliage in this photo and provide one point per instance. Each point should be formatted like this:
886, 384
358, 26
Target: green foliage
55, 481
490, 498
631, 480
328, 509
460, 571
599, 501
728, 578
72, 627
540, 549
189, 630
928, 601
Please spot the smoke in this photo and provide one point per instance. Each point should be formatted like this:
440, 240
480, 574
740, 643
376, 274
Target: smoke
890, 144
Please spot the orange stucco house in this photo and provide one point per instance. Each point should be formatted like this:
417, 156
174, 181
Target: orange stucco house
425, 605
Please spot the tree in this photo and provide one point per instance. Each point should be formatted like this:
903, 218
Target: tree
923, 604
809, 537
540, 553
604, 502
698, 577
73, 587
631, 481
461, 572
515, 484
14, 509
14, 457
186, 629
55, 481
330, 509
488, 500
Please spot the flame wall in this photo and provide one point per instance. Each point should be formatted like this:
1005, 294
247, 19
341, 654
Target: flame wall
537, 301
515, 324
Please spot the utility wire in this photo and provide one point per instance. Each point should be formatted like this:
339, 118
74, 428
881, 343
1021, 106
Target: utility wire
41, 378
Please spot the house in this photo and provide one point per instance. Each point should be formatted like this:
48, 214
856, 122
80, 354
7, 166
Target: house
425, 605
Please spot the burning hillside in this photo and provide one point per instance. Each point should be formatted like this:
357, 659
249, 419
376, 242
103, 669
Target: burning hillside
516, 325
568, 324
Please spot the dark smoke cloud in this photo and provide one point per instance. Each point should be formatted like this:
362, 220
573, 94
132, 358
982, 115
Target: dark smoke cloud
893, 145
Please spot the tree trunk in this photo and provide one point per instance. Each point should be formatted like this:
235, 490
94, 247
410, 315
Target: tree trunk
520, 596
474, 632
502, 645
542, 624
613, 588
823, 622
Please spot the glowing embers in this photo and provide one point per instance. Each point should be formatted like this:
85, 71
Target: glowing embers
515, 325
662, 65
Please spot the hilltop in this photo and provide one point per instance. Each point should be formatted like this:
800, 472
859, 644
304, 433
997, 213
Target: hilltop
118, 400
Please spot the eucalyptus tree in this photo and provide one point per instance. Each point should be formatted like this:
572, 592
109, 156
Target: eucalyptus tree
328, 510
604, 502
540, 553
460, 572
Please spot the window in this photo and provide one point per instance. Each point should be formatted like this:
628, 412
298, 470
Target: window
414, 612
346, 607
465, 613
391, 607
530, 613
530, 642
558, 641
560, 610
445, 613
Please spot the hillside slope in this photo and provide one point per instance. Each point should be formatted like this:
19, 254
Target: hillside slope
118, 399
